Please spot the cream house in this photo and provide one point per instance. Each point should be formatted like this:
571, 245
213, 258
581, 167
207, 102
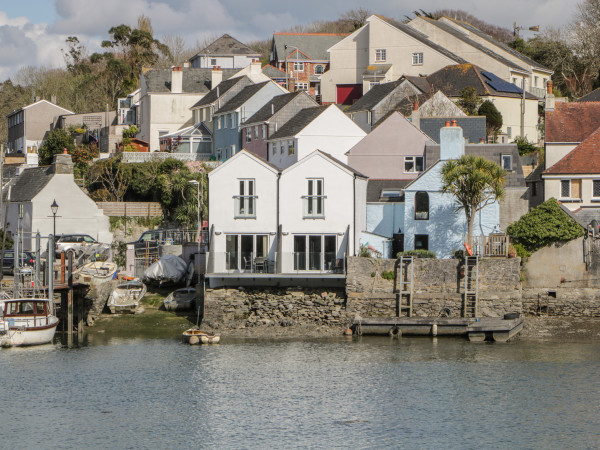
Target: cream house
381, 51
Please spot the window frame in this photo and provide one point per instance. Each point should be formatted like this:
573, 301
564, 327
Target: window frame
246, 201
502, 160
300, 86
417, 58
594, 182
422, 214
313, 202
298, 66
380, 55
413, 158
248, 135
320, 67
562, 185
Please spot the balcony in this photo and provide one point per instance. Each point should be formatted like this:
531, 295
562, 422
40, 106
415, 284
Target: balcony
245, 206
538, 92
313, 206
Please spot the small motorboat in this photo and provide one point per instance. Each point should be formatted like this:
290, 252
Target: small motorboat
194, 336
181, 299
126, 297
168, 270
102, 270
26, 321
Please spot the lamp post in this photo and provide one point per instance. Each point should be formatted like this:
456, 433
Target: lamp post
197, 184
54, 209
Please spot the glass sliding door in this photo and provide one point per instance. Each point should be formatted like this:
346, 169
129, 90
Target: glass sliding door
314, 258
247, 243
231, 249
330, 251
299, 252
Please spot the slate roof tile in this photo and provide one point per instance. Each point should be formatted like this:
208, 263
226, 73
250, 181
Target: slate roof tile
241, 98
298, 122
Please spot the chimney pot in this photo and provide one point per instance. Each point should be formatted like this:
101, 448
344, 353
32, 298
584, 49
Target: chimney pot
454, 123
415, 106
549, 87
65, 152
481, 141
447, 123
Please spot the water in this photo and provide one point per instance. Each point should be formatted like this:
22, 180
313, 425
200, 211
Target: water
333, 393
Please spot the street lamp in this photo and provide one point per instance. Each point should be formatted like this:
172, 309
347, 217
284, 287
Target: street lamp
197, 184
54, 209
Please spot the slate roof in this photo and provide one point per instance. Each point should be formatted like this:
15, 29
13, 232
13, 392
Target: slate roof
311, 46
273, 72
536, 174
419, 82
467, 40
492, 152
572, 122
223, 86
194, 80
503, 46
241, 98
297, 123
374, 96
583, 216
422, 38
593, 96
583, 159
272, 107
227, 45
451, 80
29, 184
375, 186
473, 127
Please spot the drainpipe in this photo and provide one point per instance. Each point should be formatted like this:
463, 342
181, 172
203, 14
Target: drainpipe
278, 251
354, 210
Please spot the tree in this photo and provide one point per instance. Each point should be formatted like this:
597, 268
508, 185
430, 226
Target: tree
55, 142
493, 118
112, 177
469, 100
475, 182
525, 147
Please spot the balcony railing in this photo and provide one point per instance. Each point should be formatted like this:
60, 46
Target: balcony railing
282, 263
245, 206
314, 206
496, 244
538, 92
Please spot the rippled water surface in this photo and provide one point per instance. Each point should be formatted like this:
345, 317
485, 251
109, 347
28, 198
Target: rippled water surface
334, 393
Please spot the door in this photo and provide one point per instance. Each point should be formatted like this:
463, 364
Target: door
231, 249
314, 246
300, 252
347, 94
247, 251
330, 252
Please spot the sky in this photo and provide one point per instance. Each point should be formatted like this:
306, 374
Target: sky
33, 32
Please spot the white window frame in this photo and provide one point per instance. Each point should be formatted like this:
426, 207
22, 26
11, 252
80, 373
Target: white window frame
502, 160
233, 119
417, 59
299, 66
248, 134
509, 132
291, 148
300, 87
413, 160
245, 201
314, 203
390, 193
380, 55
321, 69
255, 131
264, 131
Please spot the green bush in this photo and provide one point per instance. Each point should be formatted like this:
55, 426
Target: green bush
543, 226
522, 251
459, 254
388, 275
418, 254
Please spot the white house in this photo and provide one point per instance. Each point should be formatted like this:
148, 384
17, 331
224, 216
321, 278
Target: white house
324, 128
226, 52
267, 224
35, 189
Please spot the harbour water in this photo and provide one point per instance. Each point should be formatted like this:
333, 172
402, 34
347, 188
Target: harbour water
322, 393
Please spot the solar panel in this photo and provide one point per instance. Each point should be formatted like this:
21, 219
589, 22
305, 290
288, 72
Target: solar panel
500, 85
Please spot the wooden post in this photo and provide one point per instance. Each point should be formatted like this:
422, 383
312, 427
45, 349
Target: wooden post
62, 267
69, 295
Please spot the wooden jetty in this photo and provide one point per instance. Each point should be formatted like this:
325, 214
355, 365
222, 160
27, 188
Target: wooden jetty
475, 329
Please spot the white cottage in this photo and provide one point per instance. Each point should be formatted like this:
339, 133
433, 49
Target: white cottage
35, 189
278, 227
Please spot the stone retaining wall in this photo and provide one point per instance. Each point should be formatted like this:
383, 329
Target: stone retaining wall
565, 301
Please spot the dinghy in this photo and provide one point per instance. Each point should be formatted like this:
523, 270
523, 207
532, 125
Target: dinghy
126, 297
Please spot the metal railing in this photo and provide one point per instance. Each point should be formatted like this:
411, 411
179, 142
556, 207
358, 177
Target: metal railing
314, 206
282, 263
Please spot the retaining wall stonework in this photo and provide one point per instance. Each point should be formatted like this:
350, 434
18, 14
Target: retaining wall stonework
566, 301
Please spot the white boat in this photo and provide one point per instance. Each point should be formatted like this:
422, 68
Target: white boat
126, 297
194, 336
180, 299
102, 270
26, 321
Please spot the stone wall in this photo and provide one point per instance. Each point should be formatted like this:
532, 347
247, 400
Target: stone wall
563, 301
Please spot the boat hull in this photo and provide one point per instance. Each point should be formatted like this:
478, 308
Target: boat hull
19, 335
193, 337
126, 298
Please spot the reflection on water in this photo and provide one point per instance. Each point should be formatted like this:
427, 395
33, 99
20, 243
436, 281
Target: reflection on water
368, 392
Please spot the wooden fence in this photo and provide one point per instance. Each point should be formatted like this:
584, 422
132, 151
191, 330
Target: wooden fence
131, 209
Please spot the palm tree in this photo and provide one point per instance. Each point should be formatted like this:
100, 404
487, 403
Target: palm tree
475, 182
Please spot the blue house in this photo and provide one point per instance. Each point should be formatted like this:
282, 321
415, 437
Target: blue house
227, 131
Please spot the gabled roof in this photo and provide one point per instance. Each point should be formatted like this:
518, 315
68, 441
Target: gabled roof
328, 157
199, 129
225, 46
272, 107
375, 187
38, 103
572, 122
194, 80
467, 40
218, 91
421, 38
245, 94
297, 123
420, 83
273, 72
451, 80
583, 159
593, 96
248, 154
374, 96
311, 46
29, 184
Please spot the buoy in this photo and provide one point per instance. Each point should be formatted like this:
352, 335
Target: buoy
193, 340
469, 251
434, 329
348, 332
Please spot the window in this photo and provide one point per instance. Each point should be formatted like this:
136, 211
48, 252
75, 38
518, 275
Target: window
418, 59
421, 206
299, 66
319, 69
421, 242
301, 87
213, 61
219, 121
281, 147
535, 81
264, 129
507, 162
380, 55
314, 206
248, 134
596, 188
245, 203
233, 118
391, 193
413, 164
373, 83
232, 150
273, 149
509, 132
291, 149
256, 131
565, 188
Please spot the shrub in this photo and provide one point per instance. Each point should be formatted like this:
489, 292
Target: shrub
459, 254
418, 254
543, 226
388, 275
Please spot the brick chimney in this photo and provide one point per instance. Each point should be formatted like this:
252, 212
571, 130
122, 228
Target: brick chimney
176, 80
62, 164
452, 141
549, 96
216, 77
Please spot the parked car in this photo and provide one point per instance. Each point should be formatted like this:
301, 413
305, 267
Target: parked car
27, 261
150, 240
68, 241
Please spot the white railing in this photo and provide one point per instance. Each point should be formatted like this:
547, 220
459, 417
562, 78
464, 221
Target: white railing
538, 92
282, 263
137, 157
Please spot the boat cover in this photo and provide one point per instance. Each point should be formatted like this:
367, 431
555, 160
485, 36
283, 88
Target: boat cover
168, 269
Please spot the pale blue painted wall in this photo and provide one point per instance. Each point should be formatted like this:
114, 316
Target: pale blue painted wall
381, 244
445, 226
385, 219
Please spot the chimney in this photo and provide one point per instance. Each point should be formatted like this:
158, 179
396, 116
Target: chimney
550, 102
53, 99
255, 67
176, 80
62, 164
415, 106
452, 142
216, 76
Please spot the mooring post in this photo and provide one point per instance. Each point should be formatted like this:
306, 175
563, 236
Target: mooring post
62, 267
50, 270
16, 261
38, 250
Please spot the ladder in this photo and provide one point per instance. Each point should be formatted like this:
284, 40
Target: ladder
471, 287
405, 286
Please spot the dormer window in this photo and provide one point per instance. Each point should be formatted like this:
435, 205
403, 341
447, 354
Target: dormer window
319, 69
